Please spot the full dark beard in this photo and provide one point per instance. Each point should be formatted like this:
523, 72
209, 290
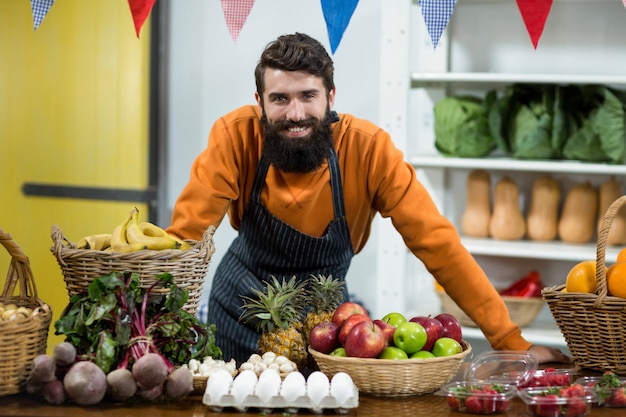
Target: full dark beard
299, 155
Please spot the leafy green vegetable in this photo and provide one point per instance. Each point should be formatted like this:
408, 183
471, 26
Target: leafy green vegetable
117, 322
461, 127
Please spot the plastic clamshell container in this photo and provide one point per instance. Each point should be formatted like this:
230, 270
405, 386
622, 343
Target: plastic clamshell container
478, 397
509, 367
549, 377
341, 405
613, 397
541, 402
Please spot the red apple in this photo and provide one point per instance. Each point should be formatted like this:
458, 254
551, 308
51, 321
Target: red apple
433, 327
349, 324
345, 310
451, 326
324, 337
366, 340
388, 330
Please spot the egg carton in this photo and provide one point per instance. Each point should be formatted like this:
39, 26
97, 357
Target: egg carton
258, 394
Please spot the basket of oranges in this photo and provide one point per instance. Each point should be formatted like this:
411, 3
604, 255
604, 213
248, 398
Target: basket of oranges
591, 314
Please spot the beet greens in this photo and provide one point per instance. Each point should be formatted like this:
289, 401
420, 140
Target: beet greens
116, 322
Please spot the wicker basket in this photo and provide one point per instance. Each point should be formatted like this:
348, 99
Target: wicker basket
22, 339
188, 268
523, 311
593, 325
394, 378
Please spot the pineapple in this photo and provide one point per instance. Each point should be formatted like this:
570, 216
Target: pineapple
325, 294
277, 312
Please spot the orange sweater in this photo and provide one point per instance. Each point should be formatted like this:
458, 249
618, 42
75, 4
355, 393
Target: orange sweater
375, 178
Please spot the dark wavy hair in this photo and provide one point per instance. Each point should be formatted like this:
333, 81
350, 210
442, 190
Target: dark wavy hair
295, 52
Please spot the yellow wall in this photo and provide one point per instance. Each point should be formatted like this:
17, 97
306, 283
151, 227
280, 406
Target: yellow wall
73, 111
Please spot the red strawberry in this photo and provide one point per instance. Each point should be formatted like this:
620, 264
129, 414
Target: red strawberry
473, 404
454, 403
618, 398
547, 406
576, 407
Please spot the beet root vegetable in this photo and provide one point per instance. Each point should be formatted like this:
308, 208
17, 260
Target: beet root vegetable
150, 394
43, 370
85, 383
64, 354
179, 383
54, 392
121, 384
150, 370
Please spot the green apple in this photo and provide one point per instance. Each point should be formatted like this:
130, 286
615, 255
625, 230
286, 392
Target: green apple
340, 351
422, 354
394, 319
392, 352
446, 346
410, 337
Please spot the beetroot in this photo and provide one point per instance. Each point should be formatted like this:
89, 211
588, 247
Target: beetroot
150, 370
42, 371
179, 383
121, 384
54, 392
85, 383
64, 354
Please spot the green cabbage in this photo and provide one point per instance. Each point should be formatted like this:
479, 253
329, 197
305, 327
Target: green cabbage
461, 128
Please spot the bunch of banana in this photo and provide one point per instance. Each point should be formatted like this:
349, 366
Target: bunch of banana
132, 235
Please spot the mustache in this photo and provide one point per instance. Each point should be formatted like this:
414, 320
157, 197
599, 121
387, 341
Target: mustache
289, 124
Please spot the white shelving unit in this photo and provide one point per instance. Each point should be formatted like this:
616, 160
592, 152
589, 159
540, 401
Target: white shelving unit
483, 48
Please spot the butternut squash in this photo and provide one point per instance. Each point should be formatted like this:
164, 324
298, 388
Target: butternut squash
477, 213
579, 214
611, 190
543, 212
507, 221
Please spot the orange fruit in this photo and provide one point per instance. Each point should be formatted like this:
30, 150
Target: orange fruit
621, 256
582, 277
616, 279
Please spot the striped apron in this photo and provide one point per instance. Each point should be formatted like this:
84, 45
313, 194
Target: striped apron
267, 246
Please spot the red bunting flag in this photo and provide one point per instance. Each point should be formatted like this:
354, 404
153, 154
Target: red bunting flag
140, 9
236, 13
535, 13
624, 1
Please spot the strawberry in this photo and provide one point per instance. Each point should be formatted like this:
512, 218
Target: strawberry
454, 403
547, 406
618, 398
576, 407
473, 404
493, 400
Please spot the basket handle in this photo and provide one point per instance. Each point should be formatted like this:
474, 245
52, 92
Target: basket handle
603, 234
19, 270
207, 242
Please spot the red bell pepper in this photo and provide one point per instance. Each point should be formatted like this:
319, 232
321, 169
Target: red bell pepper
529, 285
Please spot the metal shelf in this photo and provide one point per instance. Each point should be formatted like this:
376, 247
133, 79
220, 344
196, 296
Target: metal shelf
426, 78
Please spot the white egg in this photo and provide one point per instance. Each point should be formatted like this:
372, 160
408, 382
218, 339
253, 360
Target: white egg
268, 385
243, 385
218, 385
317, 387
342, 387
294, 386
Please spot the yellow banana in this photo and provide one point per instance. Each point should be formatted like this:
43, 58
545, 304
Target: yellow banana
135, 235
119, 241
95, 242
150, 229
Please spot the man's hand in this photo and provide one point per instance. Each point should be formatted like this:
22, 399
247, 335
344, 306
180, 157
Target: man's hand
545, 354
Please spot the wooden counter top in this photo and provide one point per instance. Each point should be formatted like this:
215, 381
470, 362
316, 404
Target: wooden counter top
429, 405
425, 405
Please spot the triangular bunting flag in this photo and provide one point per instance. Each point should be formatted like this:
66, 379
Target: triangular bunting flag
535, 13
337, 14
140, 9
236, 13
624, 1
40, 10
436, 14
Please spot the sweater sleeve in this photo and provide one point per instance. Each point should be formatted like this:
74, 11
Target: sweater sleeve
434, 240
